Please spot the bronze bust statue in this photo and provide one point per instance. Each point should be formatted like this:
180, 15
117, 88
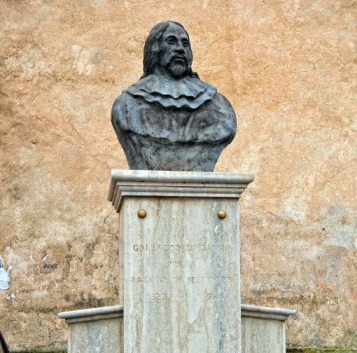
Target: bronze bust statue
170, 119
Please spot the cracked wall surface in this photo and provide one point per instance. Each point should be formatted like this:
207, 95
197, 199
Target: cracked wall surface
289, 69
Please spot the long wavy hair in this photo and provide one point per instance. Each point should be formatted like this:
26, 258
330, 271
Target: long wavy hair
152, 47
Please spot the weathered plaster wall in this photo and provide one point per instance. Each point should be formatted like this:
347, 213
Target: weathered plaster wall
289, 69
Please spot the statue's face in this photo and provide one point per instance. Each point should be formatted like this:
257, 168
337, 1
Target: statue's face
175, 52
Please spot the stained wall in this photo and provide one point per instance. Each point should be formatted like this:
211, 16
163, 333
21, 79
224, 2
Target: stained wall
289, 69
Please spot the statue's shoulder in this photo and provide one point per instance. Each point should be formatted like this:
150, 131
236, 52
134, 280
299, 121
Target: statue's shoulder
122, 104
221, 104
119, 111
122, 100
222, 99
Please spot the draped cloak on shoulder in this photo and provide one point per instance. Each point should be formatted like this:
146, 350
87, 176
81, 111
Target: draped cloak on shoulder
168, 124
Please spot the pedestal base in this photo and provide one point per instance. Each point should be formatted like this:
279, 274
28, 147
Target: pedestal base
179, 253
101, 329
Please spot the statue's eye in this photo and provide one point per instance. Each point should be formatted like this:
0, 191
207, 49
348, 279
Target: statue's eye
171, 40
185, 43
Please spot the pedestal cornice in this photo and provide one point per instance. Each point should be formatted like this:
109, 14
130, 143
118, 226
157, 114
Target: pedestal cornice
149, 183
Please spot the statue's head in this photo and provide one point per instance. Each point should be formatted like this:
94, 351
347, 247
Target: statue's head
168, 50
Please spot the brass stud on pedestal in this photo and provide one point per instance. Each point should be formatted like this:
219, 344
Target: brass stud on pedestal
142, 213
222, 214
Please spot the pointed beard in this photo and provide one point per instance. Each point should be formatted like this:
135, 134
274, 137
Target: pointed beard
177, 69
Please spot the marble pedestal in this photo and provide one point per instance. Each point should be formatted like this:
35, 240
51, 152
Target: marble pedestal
179, 260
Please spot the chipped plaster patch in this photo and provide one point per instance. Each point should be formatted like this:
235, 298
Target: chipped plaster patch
85, 61
4, 279
11, 296
4, 276
31, 63
340, 224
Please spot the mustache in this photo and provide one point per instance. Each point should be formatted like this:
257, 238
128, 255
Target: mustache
178, 57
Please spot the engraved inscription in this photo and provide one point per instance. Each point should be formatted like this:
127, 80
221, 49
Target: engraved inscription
190, 279
208, 287
159, 297
178, 248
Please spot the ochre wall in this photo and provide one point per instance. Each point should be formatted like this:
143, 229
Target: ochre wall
289, 69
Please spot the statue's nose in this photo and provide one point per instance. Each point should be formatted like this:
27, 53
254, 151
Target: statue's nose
179, 47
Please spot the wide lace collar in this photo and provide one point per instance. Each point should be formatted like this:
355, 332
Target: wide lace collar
189, 92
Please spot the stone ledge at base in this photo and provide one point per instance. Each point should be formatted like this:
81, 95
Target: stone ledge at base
263, 312
263, 329
93, 314
95, 330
